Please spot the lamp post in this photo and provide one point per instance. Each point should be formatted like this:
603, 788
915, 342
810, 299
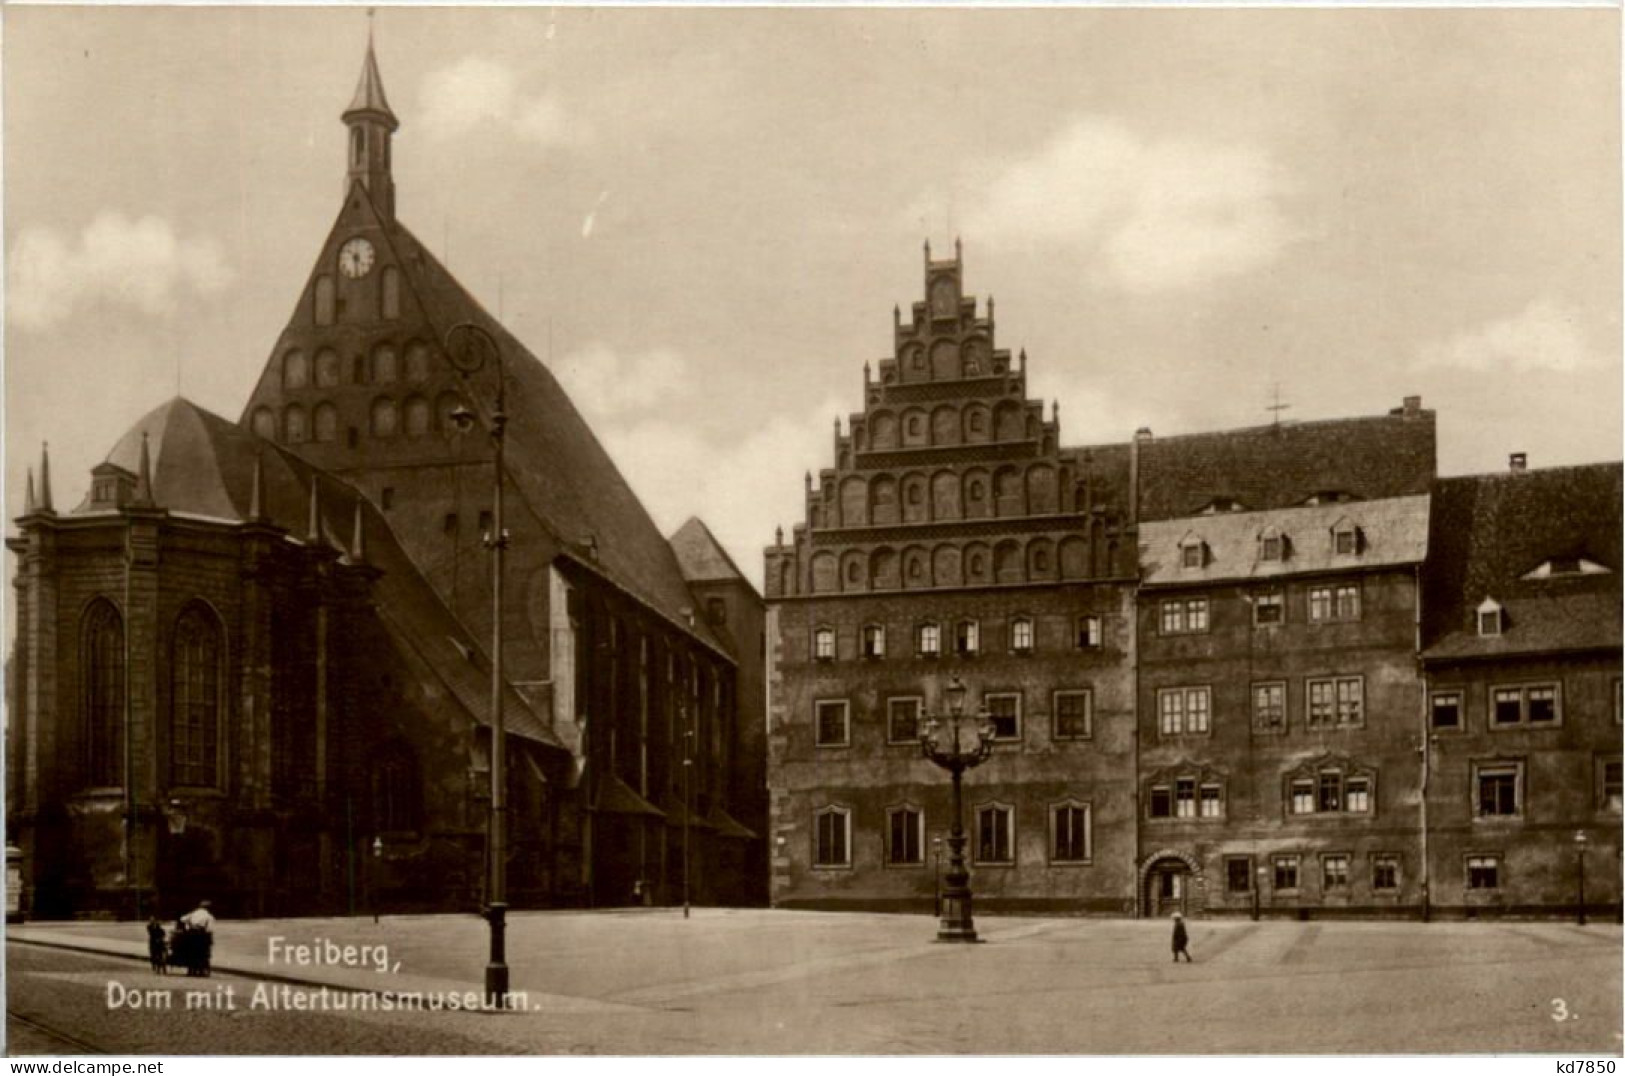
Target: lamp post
1580, 849
1258, 888
688, 808
470, 347
936, 845
956, 756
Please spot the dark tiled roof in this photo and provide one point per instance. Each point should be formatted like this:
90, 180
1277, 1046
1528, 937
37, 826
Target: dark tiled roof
1489, 531
203, 465
701, 556
1264, 467
564, 476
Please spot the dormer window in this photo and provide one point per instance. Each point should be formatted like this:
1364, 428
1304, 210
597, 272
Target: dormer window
1222, 504
1192, 552
1272, 545
1345, 538
1560, 566
1491, 617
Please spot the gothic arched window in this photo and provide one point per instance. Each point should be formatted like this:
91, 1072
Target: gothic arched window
194, 723
325, 419
327, 368
295, 370
102, 698
383, 417
294, 429
418, 416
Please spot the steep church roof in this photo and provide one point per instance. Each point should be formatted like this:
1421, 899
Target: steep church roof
204, 466
701, 556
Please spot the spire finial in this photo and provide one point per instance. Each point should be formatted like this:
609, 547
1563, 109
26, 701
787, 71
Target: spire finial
358, 541
28, 495
45, 477
958, 251
313, 529
778, 535
256, 494
928, 253
896, 316
143, 477
1024, 360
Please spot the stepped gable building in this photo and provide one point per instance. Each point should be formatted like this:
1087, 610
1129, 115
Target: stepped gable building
1521, 653
1278, 685
171, 622
953, 535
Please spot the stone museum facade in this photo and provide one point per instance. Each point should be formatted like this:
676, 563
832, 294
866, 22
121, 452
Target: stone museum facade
1250, 672
254, 663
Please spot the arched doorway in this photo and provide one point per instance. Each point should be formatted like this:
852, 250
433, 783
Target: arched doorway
1170, 882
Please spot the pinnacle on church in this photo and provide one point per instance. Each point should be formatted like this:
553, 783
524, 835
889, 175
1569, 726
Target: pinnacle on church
45, 478
313, 529
28, 495
256, 506
143, 477
358, 544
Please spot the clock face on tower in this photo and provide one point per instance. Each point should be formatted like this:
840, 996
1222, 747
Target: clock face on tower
355, 258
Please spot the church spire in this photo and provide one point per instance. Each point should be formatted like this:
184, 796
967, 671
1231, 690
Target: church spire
371, 124
45, 479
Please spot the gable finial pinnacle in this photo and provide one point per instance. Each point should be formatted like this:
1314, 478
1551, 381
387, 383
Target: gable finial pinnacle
28, 495
256, 494
358, 541
143, 476
45, 478
313, 528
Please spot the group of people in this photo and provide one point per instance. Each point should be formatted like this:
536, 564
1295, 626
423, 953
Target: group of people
189, 945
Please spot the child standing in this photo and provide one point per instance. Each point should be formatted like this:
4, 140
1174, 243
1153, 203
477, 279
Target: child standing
157, 946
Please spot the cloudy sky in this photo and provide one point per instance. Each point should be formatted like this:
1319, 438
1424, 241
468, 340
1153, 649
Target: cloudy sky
701, 219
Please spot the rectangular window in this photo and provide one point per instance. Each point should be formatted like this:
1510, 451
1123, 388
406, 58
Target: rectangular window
1268, 609
1498, 791
967, 638
1272, 547
1183, 710
1320, 604
1357, 795
1536, 704
1190, 556
1286, 872
1483, 872
1238, 875
1021, 635
1212, 801
1173, 617
1611, 788
1331, 792
1185, 798
928, 640
874, 641
1336, 700
1489, 622
1074, 717
1162, 802
1089, 633
1344, 543
995, 827
1347, 602
833, 839
830, 717
1269, 707
1069, 833
824, 644
902, 720
1334, 873
1005, 713
1303, 797
1384, 871
1350, 700
903, 837
1447, 710
1196, 614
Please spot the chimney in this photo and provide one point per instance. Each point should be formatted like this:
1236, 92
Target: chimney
1518, 462
1142, 435
1413, 406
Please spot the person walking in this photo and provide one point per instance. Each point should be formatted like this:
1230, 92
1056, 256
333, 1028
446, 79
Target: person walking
1181, 939
157, 946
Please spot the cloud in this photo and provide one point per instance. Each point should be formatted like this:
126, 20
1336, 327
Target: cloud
141, 265
607, 385
742, 487
1156, 214
475, 92
1545, 336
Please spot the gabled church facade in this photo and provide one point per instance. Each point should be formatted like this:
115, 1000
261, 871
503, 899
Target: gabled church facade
253, 665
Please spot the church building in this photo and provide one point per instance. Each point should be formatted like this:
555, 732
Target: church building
254, 663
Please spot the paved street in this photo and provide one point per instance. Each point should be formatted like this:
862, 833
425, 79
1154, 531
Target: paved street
749, 981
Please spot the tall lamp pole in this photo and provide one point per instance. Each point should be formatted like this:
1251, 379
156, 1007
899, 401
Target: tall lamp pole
1580, 848
688, 805
470, 347
955, 756
1258, 888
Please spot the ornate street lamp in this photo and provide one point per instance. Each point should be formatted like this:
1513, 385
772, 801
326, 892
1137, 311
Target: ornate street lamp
372, 874
1580, 848
957, 753
470, 347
